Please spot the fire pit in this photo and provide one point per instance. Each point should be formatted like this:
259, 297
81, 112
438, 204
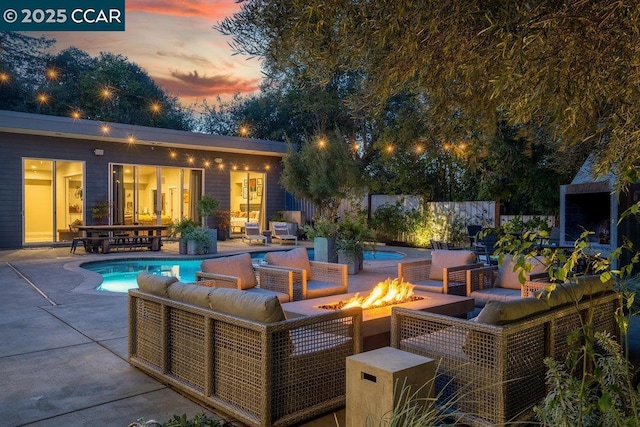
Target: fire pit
389, 292
376, 323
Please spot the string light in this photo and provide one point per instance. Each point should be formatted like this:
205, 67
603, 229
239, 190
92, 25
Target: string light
4, 77
75, 114
155, 107
322, 142
389, 148
106, 93
173, 154
52, 73
131, 139
43, 98
207, 163
105, 128
244, 131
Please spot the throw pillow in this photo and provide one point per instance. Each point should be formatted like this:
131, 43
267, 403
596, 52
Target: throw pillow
295, 258
507, 278
593, 285
154, 284
560, 294
239, 266
441, 259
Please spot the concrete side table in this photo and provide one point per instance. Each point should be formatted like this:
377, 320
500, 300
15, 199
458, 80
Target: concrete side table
375, 382
267, 235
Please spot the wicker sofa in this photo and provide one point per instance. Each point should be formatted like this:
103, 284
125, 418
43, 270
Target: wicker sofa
490, 369
445, 272
234, 350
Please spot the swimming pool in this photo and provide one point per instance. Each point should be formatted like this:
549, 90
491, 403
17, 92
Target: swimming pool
120, 275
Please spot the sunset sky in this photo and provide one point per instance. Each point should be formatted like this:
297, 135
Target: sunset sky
177, 46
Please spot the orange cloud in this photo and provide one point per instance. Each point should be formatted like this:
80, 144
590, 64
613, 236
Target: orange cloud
194, 85
207, 9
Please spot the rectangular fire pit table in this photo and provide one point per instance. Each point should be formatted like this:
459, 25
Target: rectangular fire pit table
376, 324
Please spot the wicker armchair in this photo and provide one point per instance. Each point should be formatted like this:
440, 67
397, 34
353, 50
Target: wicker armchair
501, 282
271, 372
311, 279
237, 272
492, 374
445, 272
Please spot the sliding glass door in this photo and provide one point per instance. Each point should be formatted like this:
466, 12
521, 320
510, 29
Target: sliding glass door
53, 199
247, 200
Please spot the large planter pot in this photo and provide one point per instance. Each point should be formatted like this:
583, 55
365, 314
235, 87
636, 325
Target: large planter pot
194, 248
352, 260
182, 246
223, 234
324, 249
213, 237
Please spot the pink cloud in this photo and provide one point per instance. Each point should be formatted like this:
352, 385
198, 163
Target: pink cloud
195, 59
195, 85
211, 9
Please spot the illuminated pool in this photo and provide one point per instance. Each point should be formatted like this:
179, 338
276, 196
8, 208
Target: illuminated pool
120, 275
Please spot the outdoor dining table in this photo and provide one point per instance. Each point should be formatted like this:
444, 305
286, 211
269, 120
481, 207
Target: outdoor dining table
106, 237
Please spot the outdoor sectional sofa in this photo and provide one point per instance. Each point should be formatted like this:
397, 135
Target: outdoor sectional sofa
234, 350
490, 370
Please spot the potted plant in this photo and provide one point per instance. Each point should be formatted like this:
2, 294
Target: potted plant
207, 206
100, 212
223, 223
353, 236
198, 240
178, 229
323, 232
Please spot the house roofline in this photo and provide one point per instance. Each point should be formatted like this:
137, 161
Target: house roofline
65, 127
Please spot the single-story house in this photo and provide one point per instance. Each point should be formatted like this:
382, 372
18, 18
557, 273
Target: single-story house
55, 170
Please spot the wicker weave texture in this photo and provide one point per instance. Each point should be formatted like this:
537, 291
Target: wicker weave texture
495, 374
261, 374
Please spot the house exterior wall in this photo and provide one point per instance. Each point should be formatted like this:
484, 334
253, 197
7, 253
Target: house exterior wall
16, 146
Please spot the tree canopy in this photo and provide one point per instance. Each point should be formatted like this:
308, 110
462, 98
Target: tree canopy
107, 88
571, 66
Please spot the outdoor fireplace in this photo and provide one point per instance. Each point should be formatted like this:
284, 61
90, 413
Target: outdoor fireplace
589, 204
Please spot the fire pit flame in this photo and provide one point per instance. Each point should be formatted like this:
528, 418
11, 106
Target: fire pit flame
384, 293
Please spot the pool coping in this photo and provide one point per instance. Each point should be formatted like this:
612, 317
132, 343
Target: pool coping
92, 279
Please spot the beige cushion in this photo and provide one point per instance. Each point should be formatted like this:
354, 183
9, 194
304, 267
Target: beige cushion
441, 259
247, 305
236, 265
507, 278
190, 294
295, 258
593, 285
560, 294
154, 284
503, 312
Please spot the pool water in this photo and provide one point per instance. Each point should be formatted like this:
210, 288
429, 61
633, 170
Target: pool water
120, 275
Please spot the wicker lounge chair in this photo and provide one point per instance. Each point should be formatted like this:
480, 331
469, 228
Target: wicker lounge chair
252, 232
236, 352
311, 279
281, 232
445, 272
237, 272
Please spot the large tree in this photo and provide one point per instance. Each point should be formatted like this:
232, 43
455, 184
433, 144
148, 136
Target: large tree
571, 65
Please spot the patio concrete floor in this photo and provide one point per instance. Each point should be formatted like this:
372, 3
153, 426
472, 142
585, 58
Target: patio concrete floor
63, 356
